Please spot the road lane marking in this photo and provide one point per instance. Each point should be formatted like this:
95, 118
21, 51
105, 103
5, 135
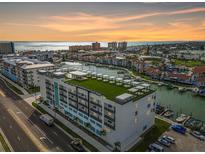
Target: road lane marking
55, 133
58, 148
40, 146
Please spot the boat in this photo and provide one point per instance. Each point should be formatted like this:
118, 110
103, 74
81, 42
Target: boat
170, 86
181, 118
168, 114
159, 84
195, 90
181, 89
159, 109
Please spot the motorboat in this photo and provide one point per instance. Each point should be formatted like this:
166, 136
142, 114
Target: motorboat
181, 118
168, 113
181, 89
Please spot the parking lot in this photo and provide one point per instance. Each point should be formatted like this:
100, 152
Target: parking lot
184, 143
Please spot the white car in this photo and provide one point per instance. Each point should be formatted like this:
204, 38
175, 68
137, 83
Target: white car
169, 139
198, 135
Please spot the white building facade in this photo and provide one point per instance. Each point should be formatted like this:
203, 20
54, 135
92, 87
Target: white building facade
123, 120
23, 70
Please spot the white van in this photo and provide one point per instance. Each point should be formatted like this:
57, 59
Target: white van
47, 119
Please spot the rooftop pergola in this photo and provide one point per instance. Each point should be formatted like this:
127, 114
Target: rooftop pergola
78, 74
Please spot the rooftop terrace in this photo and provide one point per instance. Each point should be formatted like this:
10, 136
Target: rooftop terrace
109, 90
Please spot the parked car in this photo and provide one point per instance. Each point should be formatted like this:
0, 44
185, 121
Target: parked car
47, 119
169, 139
198, 135
77, 145
155, 147
179, 128
164, 142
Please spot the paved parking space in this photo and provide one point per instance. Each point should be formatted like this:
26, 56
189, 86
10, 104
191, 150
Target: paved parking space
184, 143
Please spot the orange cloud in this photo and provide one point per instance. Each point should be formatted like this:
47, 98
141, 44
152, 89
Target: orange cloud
87, 27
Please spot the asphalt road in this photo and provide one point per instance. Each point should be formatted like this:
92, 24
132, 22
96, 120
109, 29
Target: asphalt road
16, 136
27, 132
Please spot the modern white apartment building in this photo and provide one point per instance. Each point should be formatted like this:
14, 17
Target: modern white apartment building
114, 113
23, 70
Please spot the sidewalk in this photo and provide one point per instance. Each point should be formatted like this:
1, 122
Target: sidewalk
78, 131
13, 83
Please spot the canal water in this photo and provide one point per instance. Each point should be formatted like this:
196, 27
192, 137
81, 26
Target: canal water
186, 102
98, 69
179, 102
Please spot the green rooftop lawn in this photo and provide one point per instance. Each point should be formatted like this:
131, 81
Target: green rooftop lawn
109, 90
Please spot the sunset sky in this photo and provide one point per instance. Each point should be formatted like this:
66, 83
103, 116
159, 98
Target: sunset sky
102, 21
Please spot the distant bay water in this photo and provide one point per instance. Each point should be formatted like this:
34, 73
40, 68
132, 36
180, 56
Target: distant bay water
43, 46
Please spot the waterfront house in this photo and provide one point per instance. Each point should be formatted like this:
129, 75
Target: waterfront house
178, 77
154, 73
198, 74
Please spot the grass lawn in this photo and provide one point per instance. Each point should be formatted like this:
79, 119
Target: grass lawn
14, 88
189, 63
150, 137
109, 90
33, 90
69, 131
142, 75
3, 142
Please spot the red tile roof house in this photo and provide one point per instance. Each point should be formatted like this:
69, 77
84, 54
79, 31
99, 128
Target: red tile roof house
178, 77
198, 75
200, 81
155, 73
139, 66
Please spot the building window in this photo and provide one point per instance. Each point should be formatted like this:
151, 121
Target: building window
97, 131
145, 127
92, 128
99, 125
81, 121
92, 121
80, 114
148, 105
86, 117
109, 121
109, 113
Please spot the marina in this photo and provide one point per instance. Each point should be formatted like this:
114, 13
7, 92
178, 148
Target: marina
184, 102
176, 103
